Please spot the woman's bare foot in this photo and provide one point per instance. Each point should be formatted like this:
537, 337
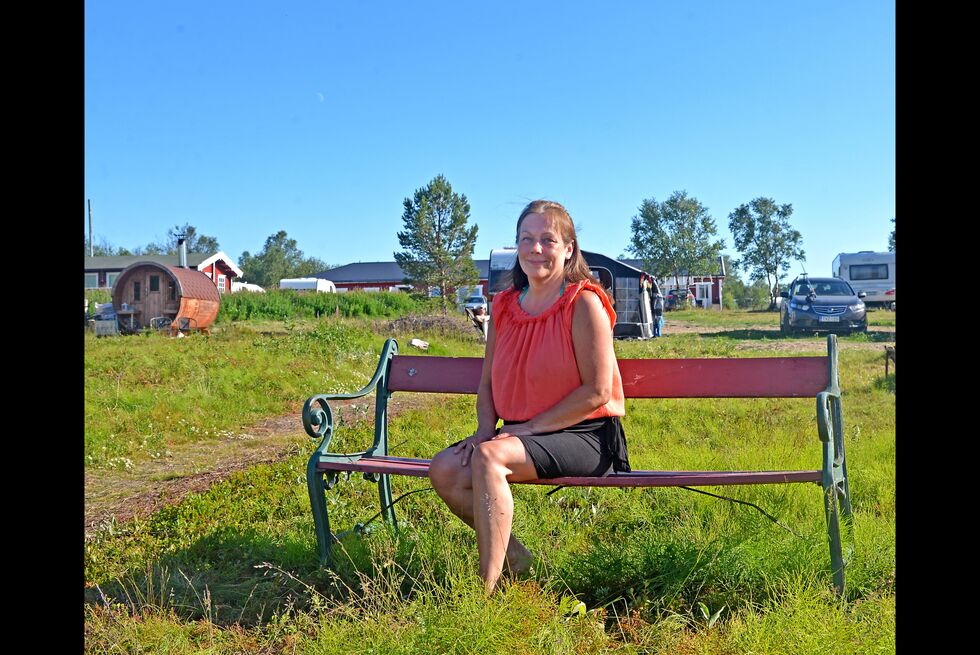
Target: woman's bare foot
519, 560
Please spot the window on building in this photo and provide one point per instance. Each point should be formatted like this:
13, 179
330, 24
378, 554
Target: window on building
110, 279
221, 284
154, 283
91, 280
173, 291
136, 291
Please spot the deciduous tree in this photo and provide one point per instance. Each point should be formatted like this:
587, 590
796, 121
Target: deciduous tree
195, 242
891, 238
674, 237
279, 258
766, 241
437, 244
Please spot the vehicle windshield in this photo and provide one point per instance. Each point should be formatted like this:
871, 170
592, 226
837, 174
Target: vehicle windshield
823, 288
475, 299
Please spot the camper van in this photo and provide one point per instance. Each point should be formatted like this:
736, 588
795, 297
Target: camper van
314, 284
870, 272
501, 261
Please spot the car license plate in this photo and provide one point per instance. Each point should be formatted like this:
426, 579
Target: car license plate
830, 319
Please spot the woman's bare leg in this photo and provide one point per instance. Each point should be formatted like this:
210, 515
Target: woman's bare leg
494, 463
454, 484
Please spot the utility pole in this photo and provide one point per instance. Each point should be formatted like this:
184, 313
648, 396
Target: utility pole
91, 246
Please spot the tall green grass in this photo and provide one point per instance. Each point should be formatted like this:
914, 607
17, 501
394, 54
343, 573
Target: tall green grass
288, 304
234, 569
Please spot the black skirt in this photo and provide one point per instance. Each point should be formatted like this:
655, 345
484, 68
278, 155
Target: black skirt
591, 448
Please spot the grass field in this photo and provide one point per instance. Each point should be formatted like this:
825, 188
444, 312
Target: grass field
234, 569
747, 318
145, 392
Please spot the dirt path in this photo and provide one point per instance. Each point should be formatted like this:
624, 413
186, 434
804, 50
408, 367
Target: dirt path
191, 468
118, 496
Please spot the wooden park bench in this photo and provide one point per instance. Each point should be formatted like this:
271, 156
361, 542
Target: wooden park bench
769, 377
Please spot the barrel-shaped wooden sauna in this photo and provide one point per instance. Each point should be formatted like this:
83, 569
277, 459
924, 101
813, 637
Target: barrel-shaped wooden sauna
148, 290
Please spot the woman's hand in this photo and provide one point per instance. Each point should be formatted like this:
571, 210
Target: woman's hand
469, 444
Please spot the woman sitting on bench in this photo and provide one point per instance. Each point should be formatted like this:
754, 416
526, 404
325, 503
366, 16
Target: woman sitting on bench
550, 373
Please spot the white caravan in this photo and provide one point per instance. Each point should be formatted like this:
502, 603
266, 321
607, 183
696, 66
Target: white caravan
237, 286
315, 284
501, 261
870, 272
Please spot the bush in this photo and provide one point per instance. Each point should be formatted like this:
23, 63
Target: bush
96, 296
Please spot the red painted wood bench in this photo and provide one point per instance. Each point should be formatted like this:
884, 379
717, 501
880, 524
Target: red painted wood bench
768, 377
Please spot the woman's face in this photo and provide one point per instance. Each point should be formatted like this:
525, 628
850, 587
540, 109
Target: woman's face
540, 249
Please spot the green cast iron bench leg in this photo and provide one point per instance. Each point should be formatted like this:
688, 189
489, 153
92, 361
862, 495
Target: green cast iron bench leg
837, 496
384, 480
318, 502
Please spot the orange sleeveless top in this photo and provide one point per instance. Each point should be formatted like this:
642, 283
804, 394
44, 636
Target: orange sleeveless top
534, 365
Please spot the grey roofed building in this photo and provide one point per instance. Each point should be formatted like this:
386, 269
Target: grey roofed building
101, 272
366, 272
122, 261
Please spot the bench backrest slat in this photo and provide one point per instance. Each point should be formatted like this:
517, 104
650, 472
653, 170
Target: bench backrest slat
765, 377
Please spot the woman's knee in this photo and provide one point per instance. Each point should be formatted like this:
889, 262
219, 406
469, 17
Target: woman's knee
491, 454
444, 470
505, 458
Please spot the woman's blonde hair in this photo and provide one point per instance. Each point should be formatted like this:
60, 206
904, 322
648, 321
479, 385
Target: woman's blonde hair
576, 269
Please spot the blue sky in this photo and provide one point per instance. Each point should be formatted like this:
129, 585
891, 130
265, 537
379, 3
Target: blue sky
319, 118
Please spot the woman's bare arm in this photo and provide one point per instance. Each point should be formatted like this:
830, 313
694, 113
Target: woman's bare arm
486, 413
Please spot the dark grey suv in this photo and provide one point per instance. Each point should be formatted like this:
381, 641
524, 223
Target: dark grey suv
822, 303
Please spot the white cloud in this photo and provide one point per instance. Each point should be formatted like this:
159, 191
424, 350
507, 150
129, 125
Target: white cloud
320, 96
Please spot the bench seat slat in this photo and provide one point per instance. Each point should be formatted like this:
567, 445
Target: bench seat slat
747, 377
419, 468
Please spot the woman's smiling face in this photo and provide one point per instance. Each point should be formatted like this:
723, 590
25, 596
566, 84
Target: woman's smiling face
541, 250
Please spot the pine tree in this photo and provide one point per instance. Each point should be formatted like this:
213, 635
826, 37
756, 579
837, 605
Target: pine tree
437, 244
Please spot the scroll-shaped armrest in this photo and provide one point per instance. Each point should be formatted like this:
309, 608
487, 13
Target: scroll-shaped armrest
317, 416
823, 415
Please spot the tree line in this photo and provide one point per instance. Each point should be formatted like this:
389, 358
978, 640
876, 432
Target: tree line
194, 242
280, 256
674, 237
